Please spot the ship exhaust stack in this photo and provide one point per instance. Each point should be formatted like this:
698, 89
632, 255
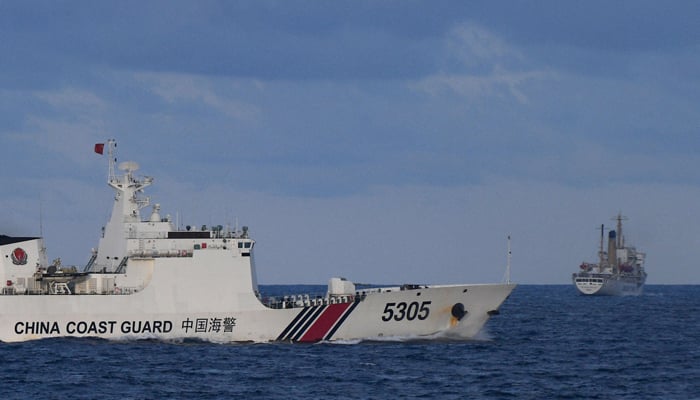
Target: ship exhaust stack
612, 250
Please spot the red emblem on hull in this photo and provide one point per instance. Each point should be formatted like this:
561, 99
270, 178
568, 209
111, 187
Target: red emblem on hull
19, 256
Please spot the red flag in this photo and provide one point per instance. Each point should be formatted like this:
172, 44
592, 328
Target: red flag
99, 148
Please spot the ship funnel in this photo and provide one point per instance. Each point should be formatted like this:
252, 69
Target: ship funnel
612, 249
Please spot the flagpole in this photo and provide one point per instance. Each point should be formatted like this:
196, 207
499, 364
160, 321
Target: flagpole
508, 264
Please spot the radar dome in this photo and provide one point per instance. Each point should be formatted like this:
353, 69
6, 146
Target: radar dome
129, 166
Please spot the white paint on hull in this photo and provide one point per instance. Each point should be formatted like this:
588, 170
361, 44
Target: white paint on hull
608, 284
147, 279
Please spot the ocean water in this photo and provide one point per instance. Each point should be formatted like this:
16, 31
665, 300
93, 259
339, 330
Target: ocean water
547, 343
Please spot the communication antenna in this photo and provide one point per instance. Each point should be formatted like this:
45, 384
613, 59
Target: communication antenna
507, 274
111, 147
620, 238
41, 218
601, 252
41, 227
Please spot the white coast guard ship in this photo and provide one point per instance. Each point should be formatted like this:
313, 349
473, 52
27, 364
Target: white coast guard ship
619, 271
147, 279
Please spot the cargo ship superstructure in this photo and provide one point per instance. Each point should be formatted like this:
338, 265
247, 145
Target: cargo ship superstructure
619, 271
149, 279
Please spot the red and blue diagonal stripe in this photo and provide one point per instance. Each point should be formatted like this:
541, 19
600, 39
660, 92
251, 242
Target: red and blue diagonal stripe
316, 323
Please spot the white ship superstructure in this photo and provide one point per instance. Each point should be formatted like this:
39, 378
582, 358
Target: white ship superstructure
619, 271
149, 279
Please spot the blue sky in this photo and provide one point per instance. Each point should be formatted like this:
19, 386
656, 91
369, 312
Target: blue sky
387, 142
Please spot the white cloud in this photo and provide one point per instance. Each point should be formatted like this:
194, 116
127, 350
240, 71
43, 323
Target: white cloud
175, 88
474, 87
70, 139
479, 64
473, 45
73, 99
68, 121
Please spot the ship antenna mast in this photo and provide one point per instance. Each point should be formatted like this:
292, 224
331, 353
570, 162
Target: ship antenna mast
507, 274
600, 252
41, 218
111, 146
620, 238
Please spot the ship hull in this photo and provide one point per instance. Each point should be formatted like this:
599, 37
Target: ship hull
609, 284
404, 313
148, 278
619, 271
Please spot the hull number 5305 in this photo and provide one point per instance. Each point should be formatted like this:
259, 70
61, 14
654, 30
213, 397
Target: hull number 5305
408, 311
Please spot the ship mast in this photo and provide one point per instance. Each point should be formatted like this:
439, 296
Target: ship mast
620, 238
601, 253
125, 217
507, 274
111, 146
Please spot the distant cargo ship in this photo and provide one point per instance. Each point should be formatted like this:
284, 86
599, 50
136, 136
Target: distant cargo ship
619, 271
